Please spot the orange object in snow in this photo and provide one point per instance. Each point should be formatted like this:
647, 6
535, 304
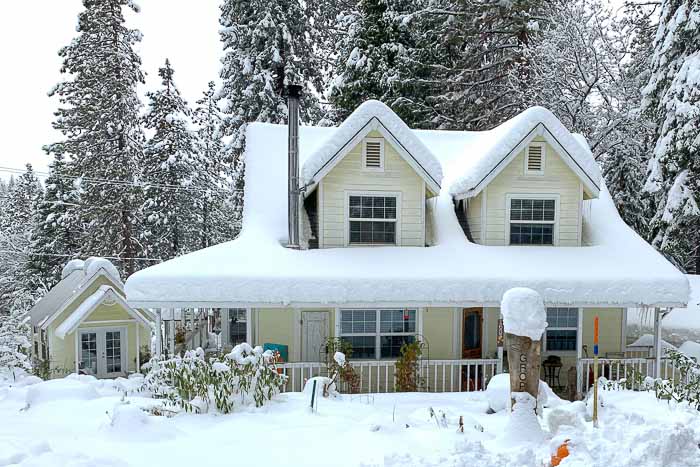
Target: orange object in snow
561, 454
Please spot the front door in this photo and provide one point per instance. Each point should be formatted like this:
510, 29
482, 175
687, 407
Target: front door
314, 334
471, 332
102, 352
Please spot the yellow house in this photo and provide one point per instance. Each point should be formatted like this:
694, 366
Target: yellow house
84, 325
408, 235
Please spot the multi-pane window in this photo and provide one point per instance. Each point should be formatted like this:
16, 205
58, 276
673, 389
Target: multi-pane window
237, 326
378, 333
532, 221
372, 219
562, 329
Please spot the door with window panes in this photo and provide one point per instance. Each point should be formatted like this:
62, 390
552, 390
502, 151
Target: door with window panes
102, 352
378, 334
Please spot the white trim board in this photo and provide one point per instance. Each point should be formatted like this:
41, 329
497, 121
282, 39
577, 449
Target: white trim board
538, 130
375, 124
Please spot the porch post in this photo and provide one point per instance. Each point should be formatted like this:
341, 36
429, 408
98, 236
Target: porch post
657, 342
159, 333
138, 347
579, 352
623, 332
76, 337
171, 335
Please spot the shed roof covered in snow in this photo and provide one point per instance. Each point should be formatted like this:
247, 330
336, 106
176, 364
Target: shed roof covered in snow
257, 270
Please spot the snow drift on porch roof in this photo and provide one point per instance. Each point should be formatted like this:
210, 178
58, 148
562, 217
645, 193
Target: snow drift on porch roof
255, 269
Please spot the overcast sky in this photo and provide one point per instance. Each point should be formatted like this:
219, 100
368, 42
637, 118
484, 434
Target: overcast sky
32, 32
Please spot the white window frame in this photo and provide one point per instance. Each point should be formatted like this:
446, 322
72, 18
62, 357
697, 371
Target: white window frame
377, 334
546, 196
576, 328
382, 148
543, 147
225, 326
347, 218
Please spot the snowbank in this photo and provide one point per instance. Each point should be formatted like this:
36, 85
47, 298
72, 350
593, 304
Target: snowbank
71, 266
59, 390
498, 394
523, 313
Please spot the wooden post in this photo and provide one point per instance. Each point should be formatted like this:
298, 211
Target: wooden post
159, 333
137, 325
499, 343
595, 372
523, 365
579, 355
657, 343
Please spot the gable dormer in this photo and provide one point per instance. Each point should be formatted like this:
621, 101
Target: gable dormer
369, 183
371, 197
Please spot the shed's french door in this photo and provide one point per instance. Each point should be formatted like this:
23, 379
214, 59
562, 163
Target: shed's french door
102, 352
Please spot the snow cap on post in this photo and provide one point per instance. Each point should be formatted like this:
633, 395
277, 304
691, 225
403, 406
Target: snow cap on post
523, 313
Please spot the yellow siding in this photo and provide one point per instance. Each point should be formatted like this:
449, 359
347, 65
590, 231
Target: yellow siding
438, 331
474, 217
63, 350
275, 326
349, 176
558, 179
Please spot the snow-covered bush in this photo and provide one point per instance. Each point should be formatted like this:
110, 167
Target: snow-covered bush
14, 343
347, 379
407, 377
192, 382
687, 387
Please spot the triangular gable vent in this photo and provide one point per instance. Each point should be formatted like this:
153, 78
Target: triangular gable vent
535, 158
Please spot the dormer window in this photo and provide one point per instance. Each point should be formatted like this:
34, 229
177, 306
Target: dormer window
534, 159
373, 154
372, 219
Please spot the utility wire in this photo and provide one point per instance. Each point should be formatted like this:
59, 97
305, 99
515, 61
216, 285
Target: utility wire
56, 255
124, 183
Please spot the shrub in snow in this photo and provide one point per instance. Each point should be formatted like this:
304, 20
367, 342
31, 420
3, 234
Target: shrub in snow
245, 375
325, 387
344, 375
686, 388
407, 379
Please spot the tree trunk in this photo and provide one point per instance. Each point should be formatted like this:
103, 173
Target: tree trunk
523, 364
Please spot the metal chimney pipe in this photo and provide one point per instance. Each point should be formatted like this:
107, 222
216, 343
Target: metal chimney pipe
293, 93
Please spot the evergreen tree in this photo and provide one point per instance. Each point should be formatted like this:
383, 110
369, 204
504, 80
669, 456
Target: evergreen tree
464, 53
99, 119
216, 181
15, 347
171, 165
55, 232
370, 58
268, 44
17, 290
672, 100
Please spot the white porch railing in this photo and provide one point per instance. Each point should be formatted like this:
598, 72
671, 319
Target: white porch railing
615, 369
378, 376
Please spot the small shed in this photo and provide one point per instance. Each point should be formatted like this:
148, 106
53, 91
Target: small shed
84, 324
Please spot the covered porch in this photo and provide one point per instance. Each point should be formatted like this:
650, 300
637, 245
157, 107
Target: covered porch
462, 346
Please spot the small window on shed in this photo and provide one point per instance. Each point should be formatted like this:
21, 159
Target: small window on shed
373, 154
534, 163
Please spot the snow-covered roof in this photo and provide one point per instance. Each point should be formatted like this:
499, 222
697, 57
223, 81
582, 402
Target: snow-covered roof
75, 276
104, 293
493, 150
691, 349
372, 115
256, 270
647, 340
686, 317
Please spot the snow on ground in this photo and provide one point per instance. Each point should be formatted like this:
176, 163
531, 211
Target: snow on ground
364, 430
